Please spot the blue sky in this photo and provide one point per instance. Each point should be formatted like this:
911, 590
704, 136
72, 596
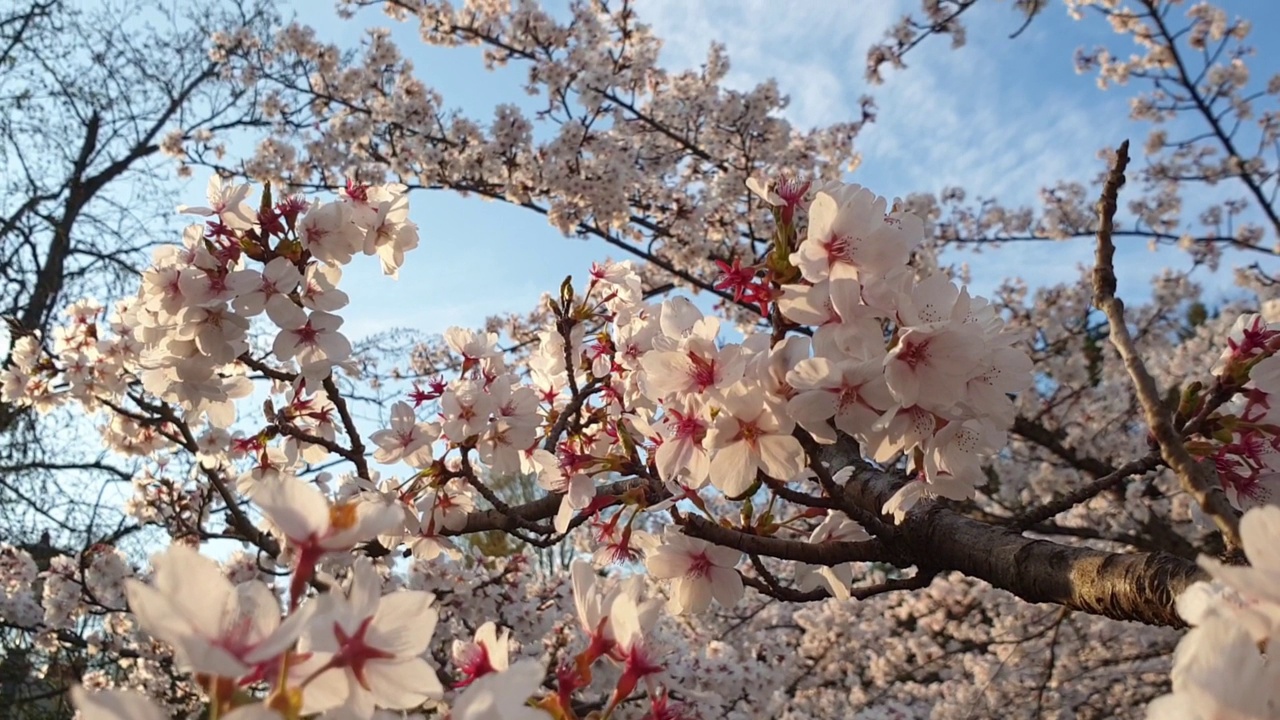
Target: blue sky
999, 117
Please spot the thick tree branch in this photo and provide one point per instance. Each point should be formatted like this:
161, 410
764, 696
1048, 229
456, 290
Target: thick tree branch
1141, 586
1138, 586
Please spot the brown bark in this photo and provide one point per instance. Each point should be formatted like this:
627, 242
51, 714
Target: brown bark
1125, 586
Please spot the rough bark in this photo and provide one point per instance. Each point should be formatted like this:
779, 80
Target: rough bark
1125, 586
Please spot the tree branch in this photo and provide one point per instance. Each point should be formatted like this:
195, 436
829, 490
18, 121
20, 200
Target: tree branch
1197, 478
1137, 586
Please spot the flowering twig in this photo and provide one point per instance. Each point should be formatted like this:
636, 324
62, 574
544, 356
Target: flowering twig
1196, 478
1037, 515
468, 472
239, 519
571, 410
545, 508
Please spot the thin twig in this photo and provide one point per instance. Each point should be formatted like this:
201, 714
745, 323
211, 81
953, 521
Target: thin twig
576, 401
239, 519
349, 425
777, 591
468, 472
1037, 515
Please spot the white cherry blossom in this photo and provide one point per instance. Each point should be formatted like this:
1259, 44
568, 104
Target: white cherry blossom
368, 649
406, 440
215, 627
502, 695
699, 570
750, 436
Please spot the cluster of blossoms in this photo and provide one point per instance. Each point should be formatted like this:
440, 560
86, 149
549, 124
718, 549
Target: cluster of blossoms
911, 367
358, 646
629, 411
1244, 439
181, 337
1222, 667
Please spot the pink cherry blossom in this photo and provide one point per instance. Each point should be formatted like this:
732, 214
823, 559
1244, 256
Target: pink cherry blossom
328, 233
1260, 580
502, 695
930, 366
311, 338
487, 653
852, 393
315, 526
697, 367
279, 278
227, 202
850, 234
215, 627
682, 453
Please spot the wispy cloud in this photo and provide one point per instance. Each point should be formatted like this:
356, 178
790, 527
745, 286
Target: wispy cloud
1001, 118
814, 49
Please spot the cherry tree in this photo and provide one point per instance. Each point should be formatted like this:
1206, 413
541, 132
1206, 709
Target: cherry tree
90, 96
859, 488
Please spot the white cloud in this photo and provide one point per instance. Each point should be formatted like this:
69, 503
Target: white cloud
805, 45
1001, 118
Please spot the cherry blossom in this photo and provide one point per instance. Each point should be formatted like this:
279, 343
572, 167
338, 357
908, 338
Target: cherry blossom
487, 653
835, 526
502, 695
928, 367
315, 526
697, 367
852, 393
751, 436
367, 649
328, 232
278, 278
312, 338
1261, 579
1218, 668
227, 202
215, 627
406, 440
850, 235
879, 384
700, 572
682, 452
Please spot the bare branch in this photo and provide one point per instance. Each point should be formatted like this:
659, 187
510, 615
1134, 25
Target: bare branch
1197, 478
